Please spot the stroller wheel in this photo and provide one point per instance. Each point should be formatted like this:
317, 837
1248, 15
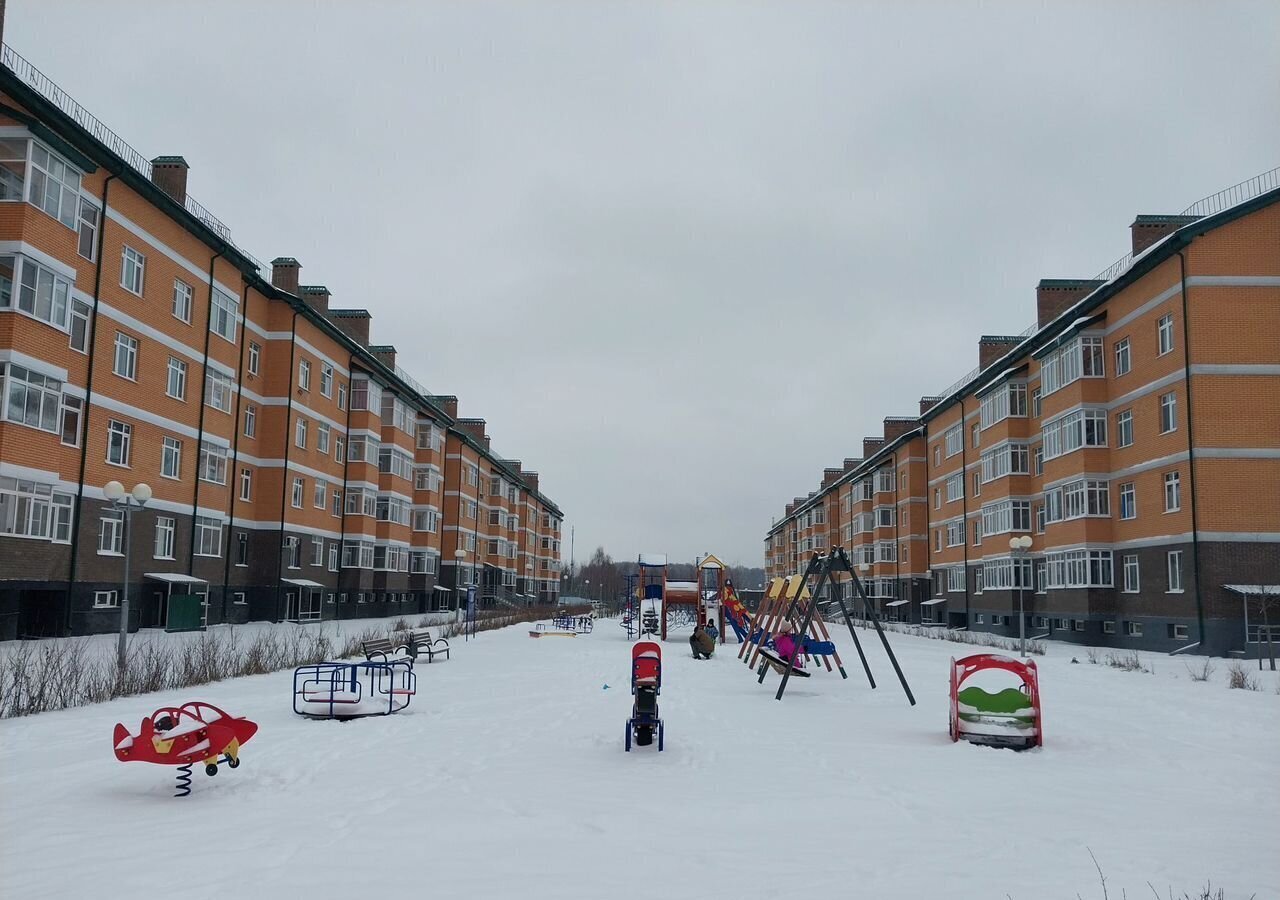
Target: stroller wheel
644, 735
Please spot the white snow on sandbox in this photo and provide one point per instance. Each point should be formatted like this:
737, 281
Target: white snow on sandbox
507, 778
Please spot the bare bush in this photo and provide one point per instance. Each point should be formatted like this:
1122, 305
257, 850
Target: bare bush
957, 636
1203, 672
1239, 678
1128, 662
1094, 655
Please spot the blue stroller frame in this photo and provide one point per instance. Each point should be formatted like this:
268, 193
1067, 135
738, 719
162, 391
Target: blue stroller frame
646, 685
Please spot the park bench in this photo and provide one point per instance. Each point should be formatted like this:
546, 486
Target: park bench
380, 648
419, 642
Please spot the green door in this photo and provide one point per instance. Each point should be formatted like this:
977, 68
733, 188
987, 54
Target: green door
186, 612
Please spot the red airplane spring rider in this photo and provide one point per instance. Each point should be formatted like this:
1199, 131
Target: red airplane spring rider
180, 736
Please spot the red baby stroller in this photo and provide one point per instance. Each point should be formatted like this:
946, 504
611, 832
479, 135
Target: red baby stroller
646, 684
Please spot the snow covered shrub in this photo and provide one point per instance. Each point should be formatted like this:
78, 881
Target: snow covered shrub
1238, 678
1129, 662
1203, 672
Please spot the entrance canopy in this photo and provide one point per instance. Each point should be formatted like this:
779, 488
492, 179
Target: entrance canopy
934, 602
302, 582
898, 603
1254, 590
175, 578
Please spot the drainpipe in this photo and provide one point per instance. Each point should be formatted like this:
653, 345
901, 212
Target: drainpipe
90, 339
928, 509
346, 467
284, 472
235, 451
1191, 458
964, 505
204, 385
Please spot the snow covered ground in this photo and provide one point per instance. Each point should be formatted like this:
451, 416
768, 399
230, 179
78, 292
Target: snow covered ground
507, 778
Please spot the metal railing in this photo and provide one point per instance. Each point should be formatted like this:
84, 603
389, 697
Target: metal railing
413, 382
1236, 194
49, 90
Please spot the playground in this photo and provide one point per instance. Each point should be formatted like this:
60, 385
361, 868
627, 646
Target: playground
507, 776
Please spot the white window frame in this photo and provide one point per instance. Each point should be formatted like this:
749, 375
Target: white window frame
1164, 334
1169, 412
1172, 492
1132, 574
304, 374
171, 458
255, 357
1124, 357
1173, 572
183, 297
124, 357
166, 528
121, 435
133, 268
176, 379
224, 315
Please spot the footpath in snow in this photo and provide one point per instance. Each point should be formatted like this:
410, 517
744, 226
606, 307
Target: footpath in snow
507, 778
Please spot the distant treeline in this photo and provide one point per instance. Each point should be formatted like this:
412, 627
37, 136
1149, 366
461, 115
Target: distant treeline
603, 578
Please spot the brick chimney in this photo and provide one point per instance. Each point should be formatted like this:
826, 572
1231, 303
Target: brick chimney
354, 323
791, 507
1146, 230
314, 295
993, 346
829, 476
1056, 295
446, 402
850, 463
531, 479
169, 173
870, 446
484, 439
385, 354
474, 428
896, 426
928, 403
284, 274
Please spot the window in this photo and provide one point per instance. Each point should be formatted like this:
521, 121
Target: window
1077, 499
1005, 516
937, 455
125, 361
242, 548
1168, 412
292, 551
1124, 361
1177, 632
299, 489
222, 315
246, 484
976, 432
335, 509
884, 484
119, 437
106, 599
33, 510
426, 520
342, 396
176, 386
1035, 403
1128, 501
955, 487
1009, 400
1109, 627
30, 398
171, 458
322, 438
238, 598
1077, 624
1173, 561
1131, 573
319, 494
357, 554
304, 374
1079, 358
1070, 432
182, 301
333, 558
361, 502
300, 432
255, 358
132, 266
977, 484
87, 229
217, 390
1133, 629
339, 449
1164, 331
1124, 428
886, 516
165, 527
110, 533
55, 185
326, 380
977, 532
250, 420
955, 533
954, 440
208, 536
42, 294
1006, 459
955, 579
72, 407
213, 463
80, 314
1172, 491
1079, 568
317, 551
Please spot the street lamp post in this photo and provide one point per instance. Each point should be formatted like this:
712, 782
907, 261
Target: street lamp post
125, 504
529, 592
459, 555
1018, 547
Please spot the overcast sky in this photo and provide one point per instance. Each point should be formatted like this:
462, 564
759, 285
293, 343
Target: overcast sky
681, 256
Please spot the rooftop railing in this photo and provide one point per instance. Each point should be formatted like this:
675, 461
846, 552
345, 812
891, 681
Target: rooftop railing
49, 90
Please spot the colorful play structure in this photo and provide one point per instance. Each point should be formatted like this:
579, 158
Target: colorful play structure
1008, 718
184, 735
646, 685
791, 601
655, 604
352, 690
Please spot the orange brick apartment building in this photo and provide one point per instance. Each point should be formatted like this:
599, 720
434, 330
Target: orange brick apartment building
297, 471
1133, 434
